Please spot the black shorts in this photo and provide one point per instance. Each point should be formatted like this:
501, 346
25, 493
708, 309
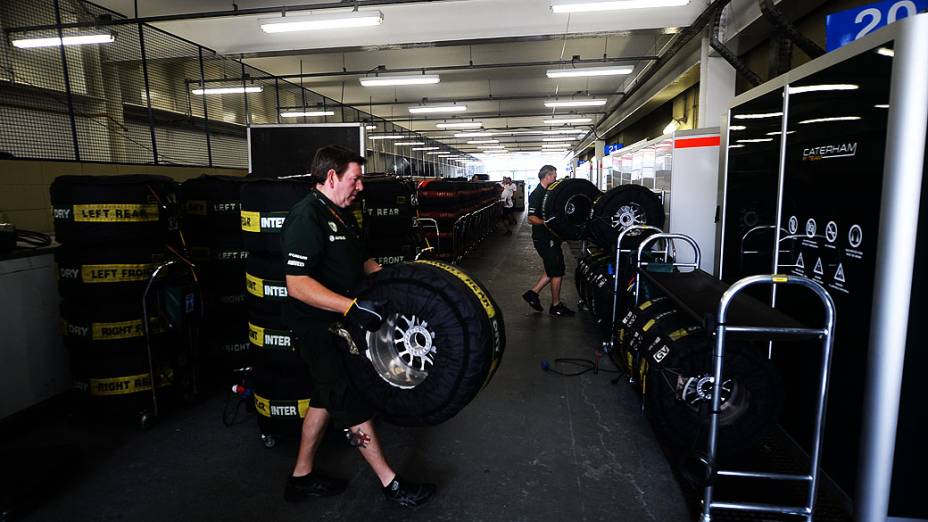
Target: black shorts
332, 390
551, 256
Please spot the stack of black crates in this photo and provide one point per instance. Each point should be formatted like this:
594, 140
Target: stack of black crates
213, 235
280, 379
114, 231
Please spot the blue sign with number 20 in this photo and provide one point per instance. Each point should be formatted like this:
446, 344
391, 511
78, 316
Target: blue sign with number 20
846, 26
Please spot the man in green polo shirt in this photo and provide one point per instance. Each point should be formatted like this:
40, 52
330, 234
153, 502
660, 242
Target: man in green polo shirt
548, 247
325, 263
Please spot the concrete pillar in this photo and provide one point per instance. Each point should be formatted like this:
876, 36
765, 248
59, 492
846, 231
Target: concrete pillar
716, 86
574, 163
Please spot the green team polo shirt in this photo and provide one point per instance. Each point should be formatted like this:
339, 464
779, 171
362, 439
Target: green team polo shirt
321, 241
535, 200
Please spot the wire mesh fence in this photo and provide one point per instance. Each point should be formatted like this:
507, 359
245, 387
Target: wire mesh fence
79, 82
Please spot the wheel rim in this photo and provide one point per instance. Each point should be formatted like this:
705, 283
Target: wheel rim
578, 208
628, 215
696, 390
402, 351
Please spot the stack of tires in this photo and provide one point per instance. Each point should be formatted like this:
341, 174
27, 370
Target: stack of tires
280, 379
567, 207
446, 202
388, 211
670, 355
113, 232
213, 233
595, 280
620, 208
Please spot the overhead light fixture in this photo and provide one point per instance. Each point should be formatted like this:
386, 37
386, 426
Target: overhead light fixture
565, 121
474, 134
883, 51
228, 90
460, 125
736, 127
426, 148
431, 153
757, 116
321, 22
736, 146
777, 133
565, 6
584, 72
423, 109
82, 39
408, 143
558, 139
756, 140
881, 106
671, 127
370, 127
391, 81
480, 142
589, 102
297, 114
824, 87
829, 120
387, 137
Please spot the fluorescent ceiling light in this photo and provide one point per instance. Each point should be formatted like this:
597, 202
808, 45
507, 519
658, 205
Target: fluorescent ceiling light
460, 125
389, 81
408, 143
479, 142
591, 102
882, 51
388, 137
590, 71
297, 114
736, 127
757, 116
561, 6
83, 39
426, 148
320, 22
564, 121
881, 106
432, 153
824, 87
423, 109
370, 127
756, 140
228, 90
558, 139
777, 133
475, 134
827, 120
736, 146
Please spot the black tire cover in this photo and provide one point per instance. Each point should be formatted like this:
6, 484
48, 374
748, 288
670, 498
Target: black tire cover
468, 343
751, 404
96, 210
388, 207
265, 285
281, 398
622, 207
211, 209
567, 207
265, 205
106, 273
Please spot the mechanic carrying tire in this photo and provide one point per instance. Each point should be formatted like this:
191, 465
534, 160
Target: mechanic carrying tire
325, 261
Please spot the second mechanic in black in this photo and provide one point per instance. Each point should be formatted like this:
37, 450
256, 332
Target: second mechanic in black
548, 247
325, 262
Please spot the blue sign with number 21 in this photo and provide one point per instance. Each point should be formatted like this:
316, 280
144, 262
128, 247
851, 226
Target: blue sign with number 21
844, 27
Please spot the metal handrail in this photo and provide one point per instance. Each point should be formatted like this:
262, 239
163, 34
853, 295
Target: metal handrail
718, 357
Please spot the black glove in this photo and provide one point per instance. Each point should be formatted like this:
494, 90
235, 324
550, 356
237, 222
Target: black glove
368, 314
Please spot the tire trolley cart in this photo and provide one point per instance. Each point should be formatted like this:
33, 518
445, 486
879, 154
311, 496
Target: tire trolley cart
178, 300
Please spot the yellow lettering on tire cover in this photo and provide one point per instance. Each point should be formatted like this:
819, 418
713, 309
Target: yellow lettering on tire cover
255, 334
474, 287
116, 273
269, 408
115, 213
122, 330
251, 221
128, 384
254, 285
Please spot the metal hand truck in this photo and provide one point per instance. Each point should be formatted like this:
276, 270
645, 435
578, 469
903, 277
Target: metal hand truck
610, 343
146, 418
826, 333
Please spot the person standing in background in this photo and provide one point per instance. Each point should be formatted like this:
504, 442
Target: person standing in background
548, 247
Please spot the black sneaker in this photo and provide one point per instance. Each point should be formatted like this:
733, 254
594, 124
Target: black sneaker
532, 299
316, 484
559, 310
407, 493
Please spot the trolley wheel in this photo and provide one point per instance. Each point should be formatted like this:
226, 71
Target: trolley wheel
268, 440
146, 419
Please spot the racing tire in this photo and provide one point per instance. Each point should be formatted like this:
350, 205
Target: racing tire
620, 208
567, 207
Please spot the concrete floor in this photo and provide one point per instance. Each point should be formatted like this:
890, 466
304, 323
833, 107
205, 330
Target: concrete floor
532, 446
